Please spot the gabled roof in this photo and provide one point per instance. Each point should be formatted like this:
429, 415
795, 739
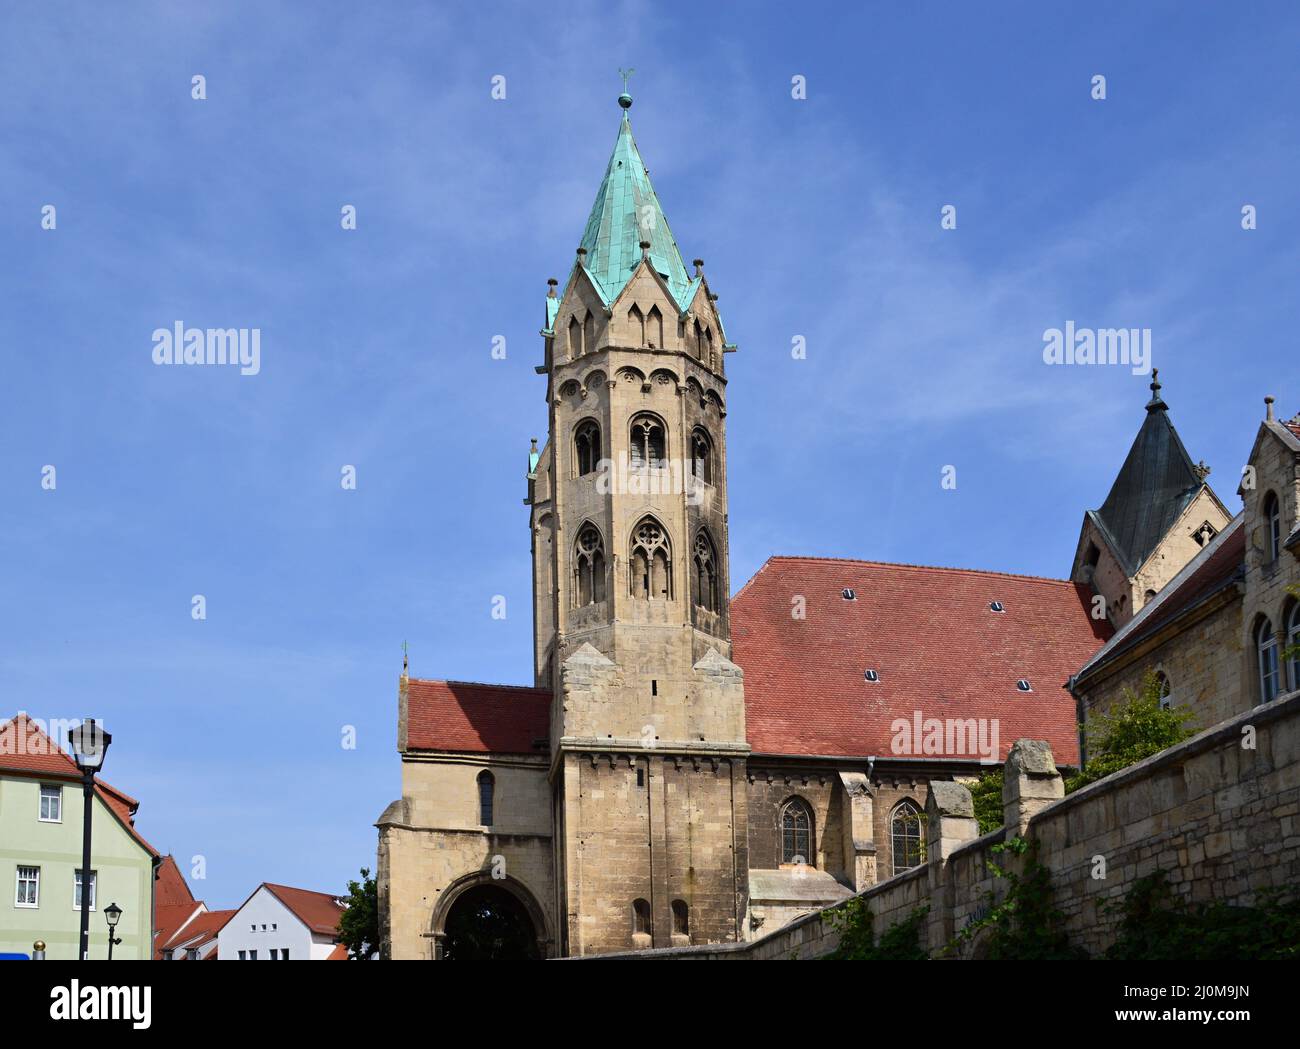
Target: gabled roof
26, 749
1218, 565
475, 718
933, 640
626, 212
1156, 483
168, 921
319, 911
169, 884
202, 929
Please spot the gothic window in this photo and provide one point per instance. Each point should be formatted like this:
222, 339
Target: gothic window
641, 924
699, 342
681, 918
905, 830
589, 567
1293, 643
707, 355
704, 573
1166, 690
586, 440
796, 833
650, 561
1267, 656
589, 332
701, 456
636, 325
575, 337
647, 442
1272, 528
654, 324
486, 788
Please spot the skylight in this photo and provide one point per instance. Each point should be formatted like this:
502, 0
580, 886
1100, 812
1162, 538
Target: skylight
849, 594
871, 675
1023, 685
997, 606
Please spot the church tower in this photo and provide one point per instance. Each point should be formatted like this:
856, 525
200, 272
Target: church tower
631, 590
1159, 514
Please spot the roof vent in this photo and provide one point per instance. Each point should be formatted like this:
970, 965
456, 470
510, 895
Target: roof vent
1023, 685
871, 675
848, 594
997, 606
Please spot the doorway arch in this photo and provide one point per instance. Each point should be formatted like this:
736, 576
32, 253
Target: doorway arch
479, 917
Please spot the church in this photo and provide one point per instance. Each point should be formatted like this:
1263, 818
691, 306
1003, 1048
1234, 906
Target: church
693, 768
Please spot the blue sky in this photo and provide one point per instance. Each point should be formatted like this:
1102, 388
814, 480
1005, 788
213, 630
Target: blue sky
816, 217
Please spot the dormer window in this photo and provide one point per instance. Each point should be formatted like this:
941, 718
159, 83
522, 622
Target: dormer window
996, 606
871, 676
1023, 685
848, 594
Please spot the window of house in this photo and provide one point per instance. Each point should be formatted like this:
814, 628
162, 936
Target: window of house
649, 562
1272, 527
1266, 651
192, 954
796, 833
704, 573
28, 891
284, 954
486, 788
905, 831
243, 956
586, 447
275, 954
647, 442
76, 890
641, 923
1293, 644
252, 956
589, 567
51, 804
681, 918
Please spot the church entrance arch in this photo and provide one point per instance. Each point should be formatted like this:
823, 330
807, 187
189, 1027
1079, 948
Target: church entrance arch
481, 918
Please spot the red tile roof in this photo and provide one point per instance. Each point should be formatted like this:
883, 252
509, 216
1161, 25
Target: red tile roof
481, 719
1293, 425
168, 920
931, 636
200, 931
319, 911
27, 750
339, 954
169, 885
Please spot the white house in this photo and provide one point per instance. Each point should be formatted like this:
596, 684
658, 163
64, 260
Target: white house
279, 923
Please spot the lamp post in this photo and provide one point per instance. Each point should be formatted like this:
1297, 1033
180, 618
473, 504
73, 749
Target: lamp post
89, 744
112, 914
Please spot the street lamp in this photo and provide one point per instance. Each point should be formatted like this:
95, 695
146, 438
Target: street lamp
89, 745
112, 914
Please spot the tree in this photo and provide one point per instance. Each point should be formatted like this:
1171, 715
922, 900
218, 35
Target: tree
359, 926
987, 796
1135, 728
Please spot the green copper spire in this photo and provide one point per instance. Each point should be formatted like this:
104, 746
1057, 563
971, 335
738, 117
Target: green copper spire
627, 212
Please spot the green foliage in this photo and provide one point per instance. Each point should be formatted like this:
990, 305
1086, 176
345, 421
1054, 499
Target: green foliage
900, 943
1135, 728
359, 926
987, 795
1025, 925
1159, 925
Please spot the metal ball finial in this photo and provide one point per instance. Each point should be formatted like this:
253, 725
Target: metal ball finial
625, 100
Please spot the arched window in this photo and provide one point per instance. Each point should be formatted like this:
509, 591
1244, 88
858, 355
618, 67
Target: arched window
575, 337
589, 567
1272, 527
699, 342
796, 833
701, 456
905, 830
650, 562
681, 918
1166, 690
641, 924
647, 441
636, 324
654, 324
1293, 644
704, 573
486, 788
586, 447
1266, 652
589, 333
707, 357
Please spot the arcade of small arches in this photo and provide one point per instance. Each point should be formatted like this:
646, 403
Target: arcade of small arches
646, 331
647, 447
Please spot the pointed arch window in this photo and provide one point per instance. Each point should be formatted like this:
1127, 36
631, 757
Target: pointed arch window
796, 833
1293, 643
1267, 655
589, 567
905, 830
487, 786
586, 447
589, 333
704, 572
650, 562
636, 325
701, 456
699, 342
575, 337
1272, 527
654, 328
647, 441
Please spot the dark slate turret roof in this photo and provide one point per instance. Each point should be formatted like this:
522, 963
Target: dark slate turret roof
1156, 483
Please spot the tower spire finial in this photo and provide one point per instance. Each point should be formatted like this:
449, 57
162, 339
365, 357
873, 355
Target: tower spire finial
625, 100
1157, 403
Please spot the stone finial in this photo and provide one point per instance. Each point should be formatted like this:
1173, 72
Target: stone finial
550, 287
1157, 403
645, 249
582, 255
699, 267
951, 799
1202, 471
1030, 782
949, 819
1268, 409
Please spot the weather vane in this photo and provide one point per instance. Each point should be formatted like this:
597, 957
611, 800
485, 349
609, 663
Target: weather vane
626, 74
